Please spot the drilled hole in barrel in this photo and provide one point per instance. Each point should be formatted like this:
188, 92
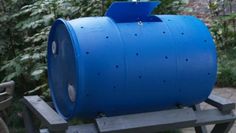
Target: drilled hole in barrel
117, 66
114, 87
164, 32
186, 59
98, 74
87, 52
164, 81
205, 40
81, 27
135, 34
208, 73
166, 57
182, 33
137, 54
107, 37
140, 76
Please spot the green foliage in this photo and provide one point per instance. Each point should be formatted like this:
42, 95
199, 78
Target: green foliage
24, 32
223, 28
170, 7
227, 67
15, 119
24, 26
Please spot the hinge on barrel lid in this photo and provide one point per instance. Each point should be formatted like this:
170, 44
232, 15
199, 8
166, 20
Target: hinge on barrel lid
122, 12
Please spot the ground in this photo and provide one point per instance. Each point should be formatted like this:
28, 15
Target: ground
228, 93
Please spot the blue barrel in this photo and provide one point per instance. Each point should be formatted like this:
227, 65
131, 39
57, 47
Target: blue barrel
129, 61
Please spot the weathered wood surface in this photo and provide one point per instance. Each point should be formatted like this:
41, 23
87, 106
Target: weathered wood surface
45, 113
222, 104
150, 122
199, 129
6, 94
143, 122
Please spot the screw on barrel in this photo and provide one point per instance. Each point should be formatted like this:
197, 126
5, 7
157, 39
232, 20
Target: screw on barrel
71, 92
54, 47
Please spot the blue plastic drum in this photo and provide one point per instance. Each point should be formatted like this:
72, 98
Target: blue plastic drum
129, 61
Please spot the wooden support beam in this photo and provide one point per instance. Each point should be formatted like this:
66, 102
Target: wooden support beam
7, 85
150, 122
28, 122
162, 120
213, 116
147, 122
222, 104
45, 113
199, 129
84, 128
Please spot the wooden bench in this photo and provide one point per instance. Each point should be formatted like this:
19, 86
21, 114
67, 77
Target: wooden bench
151, 122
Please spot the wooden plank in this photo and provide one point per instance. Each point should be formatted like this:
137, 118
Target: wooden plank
28, 122
44, 131
8, 87
5, 103
150, 122
147, 122
213, 116
156, 121
199, 129
85, 128
45, 113
222, 104
7, 84
162, 121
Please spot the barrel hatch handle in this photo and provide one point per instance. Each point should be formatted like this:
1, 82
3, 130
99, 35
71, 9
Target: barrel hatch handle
124, 12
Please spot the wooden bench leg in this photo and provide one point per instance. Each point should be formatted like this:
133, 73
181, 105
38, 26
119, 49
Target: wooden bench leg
28, 122
199, 129
43, 112
223, 127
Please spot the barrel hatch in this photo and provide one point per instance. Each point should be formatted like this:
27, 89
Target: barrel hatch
124, 12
